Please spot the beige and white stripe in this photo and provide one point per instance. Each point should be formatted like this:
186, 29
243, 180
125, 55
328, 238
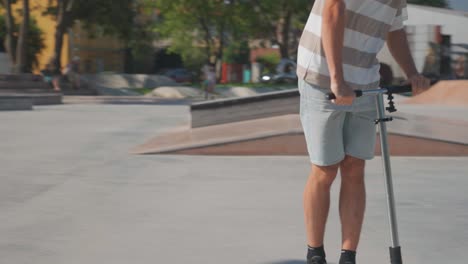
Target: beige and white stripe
367, 25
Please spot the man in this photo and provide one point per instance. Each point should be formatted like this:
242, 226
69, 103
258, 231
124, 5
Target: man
337, 53
72, 72
209, 76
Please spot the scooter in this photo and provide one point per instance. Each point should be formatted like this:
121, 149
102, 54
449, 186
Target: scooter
395, 249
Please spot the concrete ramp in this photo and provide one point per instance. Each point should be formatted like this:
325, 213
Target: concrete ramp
23, 91
450, 93
409, 135
255, 137
269, 124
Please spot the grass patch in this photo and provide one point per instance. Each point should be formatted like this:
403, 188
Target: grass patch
143, 91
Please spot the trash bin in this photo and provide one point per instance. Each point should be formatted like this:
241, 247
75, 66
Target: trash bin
247, 74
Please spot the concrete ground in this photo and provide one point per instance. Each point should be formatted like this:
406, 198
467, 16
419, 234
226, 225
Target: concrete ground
70, 192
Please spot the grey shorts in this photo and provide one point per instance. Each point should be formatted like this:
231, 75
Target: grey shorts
332, 131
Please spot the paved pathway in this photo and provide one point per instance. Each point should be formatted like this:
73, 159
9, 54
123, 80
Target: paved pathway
71, 193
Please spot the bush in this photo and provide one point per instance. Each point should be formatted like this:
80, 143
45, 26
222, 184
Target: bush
269, 61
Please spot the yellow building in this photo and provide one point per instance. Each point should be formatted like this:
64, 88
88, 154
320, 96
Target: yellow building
96, 54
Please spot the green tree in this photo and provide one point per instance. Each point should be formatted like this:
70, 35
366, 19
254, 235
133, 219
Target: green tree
139, 41
35, 41
213, 24
114, 17
18, 54
280, 21
435, 3
22, 45
199, 30
237, 52
9, 28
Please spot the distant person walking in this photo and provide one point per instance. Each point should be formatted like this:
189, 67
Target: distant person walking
337, 53
209, 79
72, 73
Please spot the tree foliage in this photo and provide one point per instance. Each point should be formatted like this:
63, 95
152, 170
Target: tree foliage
237, 53
213, 25
9, 28
35, 42
280, 21
200, 28
22, 45
23, 42
113, 17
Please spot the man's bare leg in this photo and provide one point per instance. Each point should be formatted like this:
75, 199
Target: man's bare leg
317, 202
352, 201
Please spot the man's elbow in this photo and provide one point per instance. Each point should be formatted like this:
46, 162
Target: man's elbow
333, 10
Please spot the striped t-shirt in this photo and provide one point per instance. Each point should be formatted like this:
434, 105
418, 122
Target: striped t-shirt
367, 23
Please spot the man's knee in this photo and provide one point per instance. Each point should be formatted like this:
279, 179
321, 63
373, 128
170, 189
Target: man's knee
324, 175
352, 170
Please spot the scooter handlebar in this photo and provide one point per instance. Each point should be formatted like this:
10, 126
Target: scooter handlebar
398, 89
387, 90
331, 96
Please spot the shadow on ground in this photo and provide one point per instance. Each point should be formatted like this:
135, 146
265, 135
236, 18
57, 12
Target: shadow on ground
292, 262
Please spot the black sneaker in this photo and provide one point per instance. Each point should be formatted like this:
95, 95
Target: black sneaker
348, 257
316, 260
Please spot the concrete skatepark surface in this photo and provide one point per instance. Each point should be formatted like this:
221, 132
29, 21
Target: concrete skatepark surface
70, 192
247, 126
409, 135
269, 125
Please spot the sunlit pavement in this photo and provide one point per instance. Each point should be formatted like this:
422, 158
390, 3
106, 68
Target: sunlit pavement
71, 193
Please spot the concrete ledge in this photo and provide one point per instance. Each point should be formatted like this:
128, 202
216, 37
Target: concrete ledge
15, 102
46, 99
80, 92
35, 98
124, 100
246, 108
26, 77
25, 85
244, 100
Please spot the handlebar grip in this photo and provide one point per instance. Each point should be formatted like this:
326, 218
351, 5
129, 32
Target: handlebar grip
388, 90
399, 89
403, 88
331, 96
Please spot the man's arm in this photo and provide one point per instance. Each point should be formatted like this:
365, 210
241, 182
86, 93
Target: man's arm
333, 26
398, 45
